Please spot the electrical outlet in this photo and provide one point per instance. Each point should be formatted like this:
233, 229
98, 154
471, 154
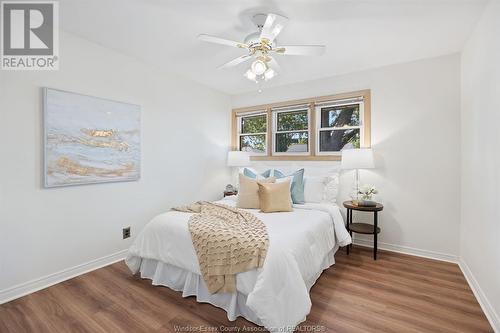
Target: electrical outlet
126, 232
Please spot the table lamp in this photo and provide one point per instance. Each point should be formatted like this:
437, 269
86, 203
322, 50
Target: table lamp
357, 159
237, 159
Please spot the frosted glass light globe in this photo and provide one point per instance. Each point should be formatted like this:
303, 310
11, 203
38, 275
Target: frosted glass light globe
269, 74
250, 75
259, 67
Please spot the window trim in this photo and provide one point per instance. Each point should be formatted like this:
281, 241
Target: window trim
319, 129
275, 131
312, 156
240, 134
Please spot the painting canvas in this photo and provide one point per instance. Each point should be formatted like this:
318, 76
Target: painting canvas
90, 140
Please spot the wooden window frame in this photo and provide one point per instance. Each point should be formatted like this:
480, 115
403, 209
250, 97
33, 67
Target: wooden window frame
313, 129
275, 131
239, 134
318, 127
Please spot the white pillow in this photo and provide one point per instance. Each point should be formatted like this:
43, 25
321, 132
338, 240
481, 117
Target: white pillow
331, 188
321, 189
314, 188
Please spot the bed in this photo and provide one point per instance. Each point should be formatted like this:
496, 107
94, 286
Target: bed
302, 243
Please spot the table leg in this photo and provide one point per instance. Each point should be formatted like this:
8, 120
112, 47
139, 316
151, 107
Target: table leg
348, 227
375, 222
350, 222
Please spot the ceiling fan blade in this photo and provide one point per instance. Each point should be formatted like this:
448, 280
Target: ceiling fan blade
223, 41
236, 61
302, 50
273, 26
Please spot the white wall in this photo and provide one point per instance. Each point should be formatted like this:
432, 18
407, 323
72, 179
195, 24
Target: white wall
185, 135
480, 227
416, 136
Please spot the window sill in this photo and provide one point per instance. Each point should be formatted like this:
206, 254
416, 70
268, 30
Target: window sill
296, 158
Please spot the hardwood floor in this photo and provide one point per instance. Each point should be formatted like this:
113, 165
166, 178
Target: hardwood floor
396, 293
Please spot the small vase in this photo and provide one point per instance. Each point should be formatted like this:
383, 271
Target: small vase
366, 201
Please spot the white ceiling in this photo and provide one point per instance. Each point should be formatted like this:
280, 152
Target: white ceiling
359, 34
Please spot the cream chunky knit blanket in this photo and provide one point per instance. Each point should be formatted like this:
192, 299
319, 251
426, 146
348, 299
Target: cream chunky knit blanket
227, 241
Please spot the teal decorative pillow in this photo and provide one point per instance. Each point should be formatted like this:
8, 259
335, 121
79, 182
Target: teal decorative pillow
297, 188
251, 174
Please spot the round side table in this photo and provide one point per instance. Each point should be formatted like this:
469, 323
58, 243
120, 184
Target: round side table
363, 228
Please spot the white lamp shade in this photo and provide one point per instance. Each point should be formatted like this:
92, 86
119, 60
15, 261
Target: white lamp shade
238, 159
357, 159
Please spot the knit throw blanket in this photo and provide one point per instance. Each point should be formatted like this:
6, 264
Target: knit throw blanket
227, 241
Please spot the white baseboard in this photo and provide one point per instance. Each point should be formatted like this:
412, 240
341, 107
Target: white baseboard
483, 301
29, 287
408, 250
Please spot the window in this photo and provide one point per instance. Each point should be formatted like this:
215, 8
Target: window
291, 131
252, 133
339, 126
317, 128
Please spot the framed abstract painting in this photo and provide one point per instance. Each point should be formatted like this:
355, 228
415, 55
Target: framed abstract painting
89, 140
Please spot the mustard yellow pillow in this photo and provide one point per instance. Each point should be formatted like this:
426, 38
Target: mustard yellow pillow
275, 197
248, 193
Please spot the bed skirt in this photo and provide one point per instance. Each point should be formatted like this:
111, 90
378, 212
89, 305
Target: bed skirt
192, 284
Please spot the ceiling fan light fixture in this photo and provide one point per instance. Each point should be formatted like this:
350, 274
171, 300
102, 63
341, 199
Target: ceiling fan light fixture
261, 46
269, 74
259, 67
249, 74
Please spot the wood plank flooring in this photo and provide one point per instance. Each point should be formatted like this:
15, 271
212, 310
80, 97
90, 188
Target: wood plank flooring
396, 293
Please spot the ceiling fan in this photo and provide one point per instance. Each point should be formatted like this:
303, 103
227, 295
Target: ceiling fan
261, 46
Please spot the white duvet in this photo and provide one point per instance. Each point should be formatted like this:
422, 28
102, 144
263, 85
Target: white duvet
278, 293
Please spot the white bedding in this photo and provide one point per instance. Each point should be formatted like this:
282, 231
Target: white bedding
277, 293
